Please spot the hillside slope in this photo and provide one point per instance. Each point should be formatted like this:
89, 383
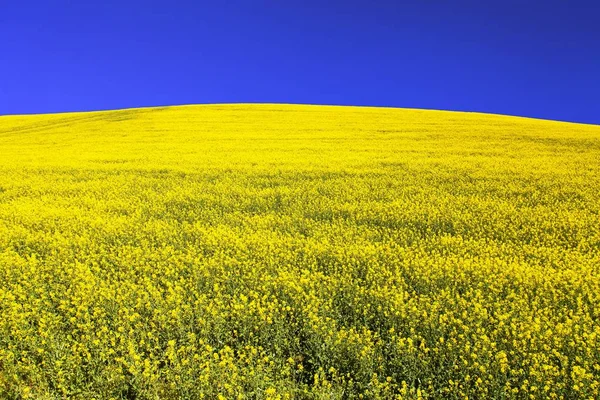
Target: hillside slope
281, 251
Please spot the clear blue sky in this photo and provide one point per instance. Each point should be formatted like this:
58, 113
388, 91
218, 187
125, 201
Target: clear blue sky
527, 57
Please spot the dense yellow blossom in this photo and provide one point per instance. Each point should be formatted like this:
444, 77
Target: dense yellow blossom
284, 252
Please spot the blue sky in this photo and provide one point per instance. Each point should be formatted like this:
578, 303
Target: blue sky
531, 58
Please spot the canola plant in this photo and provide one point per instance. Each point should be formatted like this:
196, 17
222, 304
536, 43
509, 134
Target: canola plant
298, 252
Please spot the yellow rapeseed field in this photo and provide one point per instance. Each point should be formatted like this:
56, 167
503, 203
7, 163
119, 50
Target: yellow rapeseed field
298, 252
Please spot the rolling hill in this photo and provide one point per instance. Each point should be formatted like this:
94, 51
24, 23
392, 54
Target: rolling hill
284, 251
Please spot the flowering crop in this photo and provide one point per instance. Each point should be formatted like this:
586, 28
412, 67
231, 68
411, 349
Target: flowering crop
279, 252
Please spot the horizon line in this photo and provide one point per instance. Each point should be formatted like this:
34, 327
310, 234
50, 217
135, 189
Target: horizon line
297, 104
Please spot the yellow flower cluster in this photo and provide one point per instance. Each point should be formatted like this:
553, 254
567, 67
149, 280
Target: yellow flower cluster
285, 252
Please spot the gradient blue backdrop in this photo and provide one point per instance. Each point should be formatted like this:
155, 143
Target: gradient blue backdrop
531, 58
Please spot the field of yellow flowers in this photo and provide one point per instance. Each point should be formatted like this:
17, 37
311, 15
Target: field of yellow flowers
298, 252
